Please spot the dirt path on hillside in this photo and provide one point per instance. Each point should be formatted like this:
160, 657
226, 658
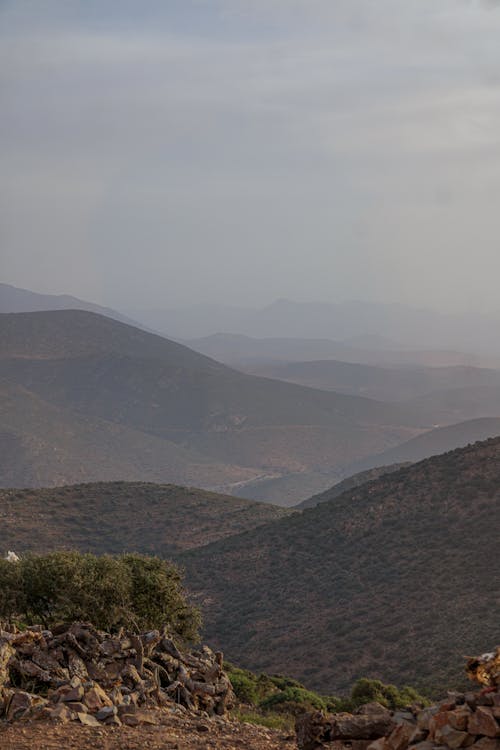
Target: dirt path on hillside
174, 733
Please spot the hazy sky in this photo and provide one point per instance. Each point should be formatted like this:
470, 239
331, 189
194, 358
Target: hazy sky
163, 152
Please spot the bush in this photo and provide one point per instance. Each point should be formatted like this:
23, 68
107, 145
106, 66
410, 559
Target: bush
134, 591
365, 691
293, 700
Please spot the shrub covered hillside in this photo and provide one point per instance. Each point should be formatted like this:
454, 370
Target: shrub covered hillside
395, 580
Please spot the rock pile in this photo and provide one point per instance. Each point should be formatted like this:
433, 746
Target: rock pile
76, 672
463, 720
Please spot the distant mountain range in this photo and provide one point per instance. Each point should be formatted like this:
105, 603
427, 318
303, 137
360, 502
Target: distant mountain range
365, 322
256, 355
396, 579
87, 398
116, 517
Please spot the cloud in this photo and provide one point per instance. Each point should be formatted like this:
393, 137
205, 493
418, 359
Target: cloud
313, 148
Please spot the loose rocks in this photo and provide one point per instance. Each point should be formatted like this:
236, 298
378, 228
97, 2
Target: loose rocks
77, 673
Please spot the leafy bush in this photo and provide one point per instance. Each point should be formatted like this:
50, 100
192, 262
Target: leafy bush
134, 591
365, 691
293, 700
273, 696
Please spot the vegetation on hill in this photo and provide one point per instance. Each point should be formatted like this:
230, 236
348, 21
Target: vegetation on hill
280, 694
395, 580
87, 377
42, 444
132, 591
113, 517
350, 483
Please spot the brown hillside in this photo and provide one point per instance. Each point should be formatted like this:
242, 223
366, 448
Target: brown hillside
123, 516
395, 580
91, 368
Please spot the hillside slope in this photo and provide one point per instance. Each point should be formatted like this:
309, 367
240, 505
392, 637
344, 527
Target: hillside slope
433, 442
116, 517
42, 444
383, 383
15, 300
396, 580
99, 369
346, 485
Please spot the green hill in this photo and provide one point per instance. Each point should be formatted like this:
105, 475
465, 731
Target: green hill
394, 580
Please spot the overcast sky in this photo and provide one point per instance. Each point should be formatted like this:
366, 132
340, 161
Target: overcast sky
166, 152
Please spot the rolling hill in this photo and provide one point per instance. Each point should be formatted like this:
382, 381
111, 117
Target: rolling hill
394, 580
386, 383
349, 484
86, 366
433, 442
42, 444
117, 517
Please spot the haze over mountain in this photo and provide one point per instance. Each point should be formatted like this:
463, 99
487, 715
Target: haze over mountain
253, 354
433, 442
358, 322
86, 366
385, 383
394, 580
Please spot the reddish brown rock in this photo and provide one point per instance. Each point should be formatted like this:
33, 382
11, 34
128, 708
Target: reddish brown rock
482, 722
452, 738
399, 739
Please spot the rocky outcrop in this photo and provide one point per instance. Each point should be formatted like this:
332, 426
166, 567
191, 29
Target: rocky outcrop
463, 720
76, 672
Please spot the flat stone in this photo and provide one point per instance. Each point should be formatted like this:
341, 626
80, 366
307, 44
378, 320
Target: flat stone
105, 713
88, 720
113, 721
74, 694
61, 713
130, 720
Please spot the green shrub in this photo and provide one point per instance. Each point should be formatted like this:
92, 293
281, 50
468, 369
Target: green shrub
244, 684
133, 591
365, 691
293, 700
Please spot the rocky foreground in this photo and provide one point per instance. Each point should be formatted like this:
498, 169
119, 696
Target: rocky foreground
464, 720
77, 673
77, 687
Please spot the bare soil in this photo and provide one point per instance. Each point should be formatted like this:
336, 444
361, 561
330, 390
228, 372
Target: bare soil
174, 733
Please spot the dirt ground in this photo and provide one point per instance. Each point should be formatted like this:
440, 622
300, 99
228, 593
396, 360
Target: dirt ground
174, 733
